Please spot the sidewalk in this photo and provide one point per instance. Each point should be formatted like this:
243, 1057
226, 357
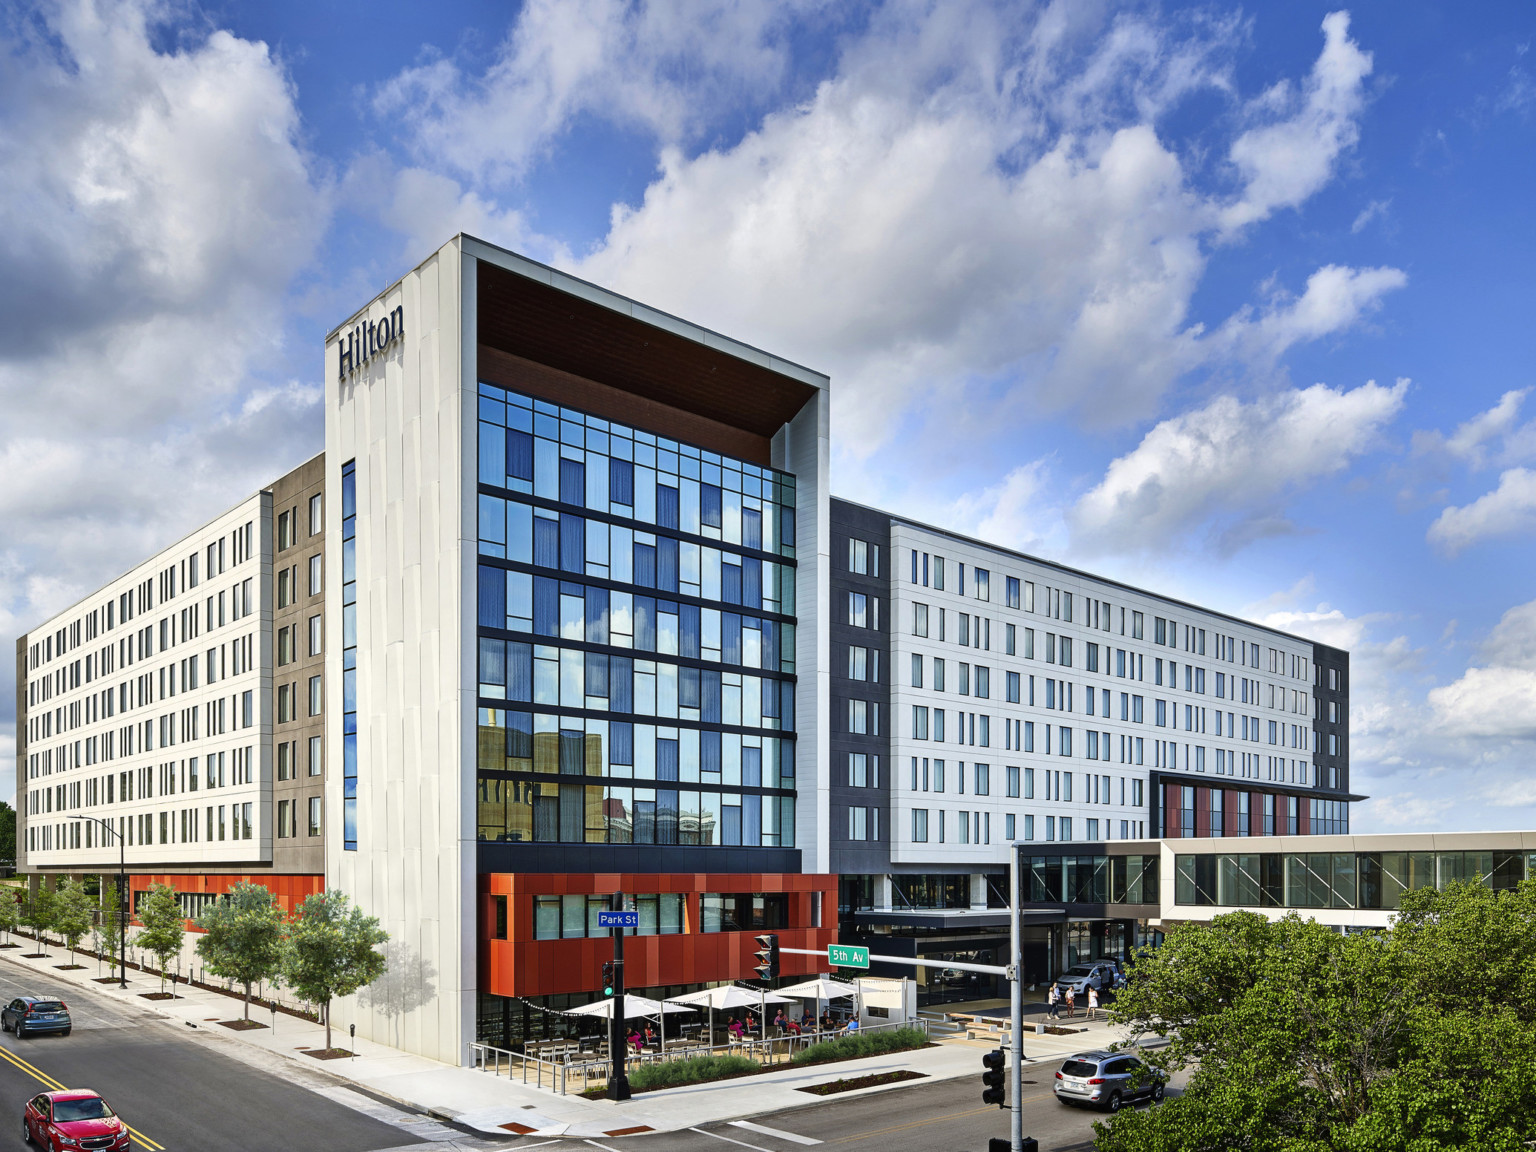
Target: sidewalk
491, 1104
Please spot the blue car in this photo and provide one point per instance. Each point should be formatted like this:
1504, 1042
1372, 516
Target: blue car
30, 1015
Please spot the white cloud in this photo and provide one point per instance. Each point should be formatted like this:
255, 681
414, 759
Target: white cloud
1509, 510
1016, 513
1336, 298
1495, 436
1231, 459
1376, 208
156, 208
1284, 163
667, 70
1496, 700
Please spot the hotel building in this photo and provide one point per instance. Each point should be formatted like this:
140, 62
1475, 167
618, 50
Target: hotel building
565, 608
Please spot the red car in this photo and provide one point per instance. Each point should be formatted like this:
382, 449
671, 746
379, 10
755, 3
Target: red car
77, 1118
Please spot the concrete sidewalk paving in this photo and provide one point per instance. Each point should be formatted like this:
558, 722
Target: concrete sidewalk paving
486, 1103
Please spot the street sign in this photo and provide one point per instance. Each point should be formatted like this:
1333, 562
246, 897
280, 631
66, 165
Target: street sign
630, 919
847, 956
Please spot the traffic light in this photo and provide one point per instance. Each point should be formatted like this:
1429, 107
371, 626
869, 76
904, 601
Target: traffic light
767, 956
993, 1077
608, 978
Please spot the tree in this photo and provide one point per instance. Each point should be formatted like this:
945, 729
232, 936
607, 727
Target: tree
1417, 1037
7, 833
72, 914
329, 951
38, 915
104, 934
10, 911
164, 926
243, 937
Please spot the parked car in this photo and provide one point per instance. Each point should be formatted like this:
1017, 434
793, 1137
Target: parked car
29, 1015
1080, 977
74, 1118
1108, 1080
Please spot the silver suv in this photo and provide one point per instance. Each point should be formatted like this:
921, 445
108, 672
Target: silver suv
1099, 974
1108, 1080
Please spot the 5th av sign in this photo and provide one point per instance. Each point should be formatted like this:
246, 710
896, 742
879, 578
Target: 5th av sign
847, 956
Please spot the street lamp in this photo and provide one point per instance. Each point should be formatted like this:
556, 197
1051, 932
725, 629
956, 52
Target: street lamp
122, 894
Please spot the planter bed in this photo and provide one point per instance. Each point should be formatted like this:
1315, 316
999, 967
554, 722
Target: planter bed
858, 1082
241, 1025
160, 996
69, 967
327, 1053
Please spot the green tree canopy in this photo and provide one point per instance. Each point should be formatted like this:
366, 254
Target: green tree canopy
7, 832
38, 914
104, 933
72, 913
242, 937
330, 951
10, 910
164, 926
1421, 1037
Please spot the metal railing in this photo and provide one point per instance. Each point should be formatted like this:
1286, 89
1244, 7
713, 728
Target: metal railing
588, 1070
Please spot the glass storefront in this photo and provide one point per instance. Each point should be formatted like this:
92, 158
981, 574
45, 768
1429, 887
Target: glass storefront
1371, 880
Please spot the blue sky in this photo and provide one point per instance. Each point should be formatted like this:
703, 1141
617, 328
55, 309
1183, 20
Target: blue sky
1231, 302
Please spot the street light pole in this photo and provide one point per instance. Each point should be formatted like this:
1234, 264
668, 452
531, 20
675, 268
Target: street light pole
122, 895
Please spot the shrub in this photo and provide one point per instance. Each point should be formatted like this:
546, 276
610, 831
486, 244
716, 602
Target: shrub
694, 1070
862, 1044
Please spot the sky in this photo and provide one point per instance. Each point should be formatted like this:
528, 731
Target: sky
1233, 303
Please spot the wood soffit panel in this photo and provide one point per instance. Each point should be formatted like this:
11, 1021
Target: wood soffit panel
540, 323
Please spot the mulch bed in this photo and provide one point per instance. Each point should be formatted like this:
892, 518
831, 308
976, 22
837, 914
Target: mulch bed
1056, 1030
69, 967
241, 1025
36, 955
10, 945
327, 1053
858, 1082
160, 996
104, 979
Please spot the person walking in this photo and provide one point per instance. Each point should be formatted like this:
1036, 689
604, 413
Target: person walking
1053, 998
1093, 1003
1071, 1002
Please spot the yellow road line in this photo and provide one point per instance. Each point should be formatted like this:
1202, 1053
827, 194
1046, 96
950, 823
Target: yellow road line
49, 1082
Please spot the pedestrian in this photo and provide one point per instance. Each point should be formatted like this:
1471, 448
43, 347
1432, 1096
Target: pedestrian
1071, 1002
1053, 998
1093, 1003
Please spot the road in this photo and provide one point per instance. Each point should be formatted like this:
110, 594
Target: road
179, 1091
946, 1116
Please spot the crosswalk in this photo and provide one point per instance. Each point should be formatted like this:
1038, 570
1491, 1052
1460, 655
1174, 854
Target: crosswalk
758, 1130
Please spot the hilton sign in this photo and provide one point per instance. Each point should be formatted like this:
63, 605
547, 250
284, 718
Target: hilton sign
367, 340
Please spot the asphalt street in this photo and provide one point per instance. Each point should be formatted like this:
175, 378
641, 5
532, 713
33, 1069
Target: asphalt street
946, 1116
177, 1092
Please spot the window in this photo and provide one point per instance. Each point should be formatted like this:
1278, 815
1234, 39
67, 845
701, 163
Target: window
1011, 594
285, 762
983, 779
284, 530
1136, 630
982, 581
863, 558
919, 825
862, 611
315, 633
917, 670
284, 819
863, 770
863, 823
315, 520
316, 763
1008, 826
919, 619
919, 722
938, 674
1012, 781
864, 717
315, 696
314, 574
863, 663
1012, 683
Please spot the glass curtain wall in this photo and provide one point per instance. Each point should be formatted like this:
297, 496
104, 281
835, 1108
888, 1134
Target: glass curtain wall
636, 625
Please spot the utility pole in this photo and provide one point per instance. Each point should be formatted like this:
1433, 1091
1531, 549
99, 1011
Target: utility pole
1016, 990
618, 1082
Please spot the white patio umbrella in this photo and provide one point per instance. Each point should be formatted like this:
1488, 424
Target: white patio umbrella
729, 996
822, 987
634, 1006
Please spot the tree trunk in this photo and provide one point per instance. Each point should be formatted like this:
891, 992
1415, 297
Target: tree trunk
327, 1026
247, 1001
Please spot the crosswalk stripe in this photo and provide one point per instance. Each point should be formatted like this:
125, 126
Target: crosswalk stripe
792, 1137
